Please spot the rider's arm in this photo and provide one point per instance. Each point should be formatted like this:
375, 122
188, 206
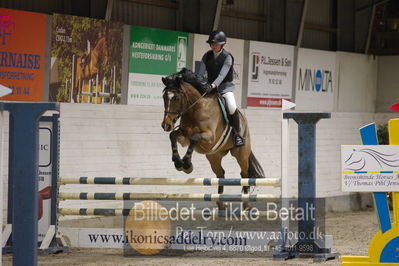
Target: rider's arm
228, 62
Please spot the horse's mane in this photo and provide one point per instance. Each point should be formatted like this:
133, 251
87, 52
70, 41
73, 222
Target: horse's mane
198, 82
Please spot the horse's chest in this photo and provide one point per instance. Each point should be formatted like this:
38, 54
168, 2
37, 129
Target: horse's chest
189, 131
189, 127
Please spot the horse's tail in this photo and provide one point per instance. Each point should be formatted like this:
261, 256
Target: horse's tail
255, 170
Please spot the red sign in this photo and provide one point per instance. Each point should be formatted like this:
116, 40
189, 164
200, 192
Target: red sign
265, 102
22, 52
395, 107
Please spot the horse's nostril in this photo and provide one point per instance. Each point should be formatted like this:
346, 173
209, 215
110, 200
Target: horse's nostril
166, 127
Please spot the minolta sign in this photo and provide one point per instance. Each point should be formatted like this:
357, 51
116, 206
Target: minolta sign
316, 80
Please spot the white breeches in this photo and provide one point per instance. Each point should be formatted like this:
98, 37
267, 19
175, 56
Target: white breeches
230, 102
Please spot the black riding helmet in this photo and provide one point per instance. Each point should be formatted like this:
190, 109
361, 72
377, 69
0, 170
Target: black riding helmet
217, 37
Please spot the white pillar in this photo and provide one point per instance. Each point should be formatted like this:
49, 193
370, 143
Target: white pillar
96, 88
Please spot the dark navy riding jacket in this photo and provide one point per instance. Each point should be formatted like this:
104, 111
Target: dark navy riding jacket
219, 69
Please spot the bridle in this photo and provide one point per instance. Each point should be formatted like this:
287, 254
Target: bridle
180, 113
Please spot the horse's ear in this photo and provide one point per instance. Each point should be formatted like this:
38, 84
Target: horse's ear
164, 81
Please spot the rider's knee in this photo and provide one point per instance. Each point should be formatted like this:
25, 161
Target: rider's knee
230, 102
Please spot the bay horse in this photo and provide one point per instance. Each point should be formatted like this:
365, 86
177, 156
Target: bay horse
203, 129
87, 66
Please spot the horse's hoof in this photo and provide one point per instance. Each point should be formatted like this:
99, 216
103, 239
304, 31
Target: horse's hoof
178, 164
187, 165
189, 169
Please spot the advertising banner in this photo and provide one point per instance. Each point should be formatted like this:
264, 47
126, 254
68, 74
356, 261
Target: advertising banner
316, 80
100, 238
45, 176
168, 228
370, 168
269, 74
23, 42
86, 60
154, 53
235, 47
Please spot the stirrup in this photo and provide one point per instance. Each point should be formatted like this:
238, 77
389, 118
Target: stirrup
238, 141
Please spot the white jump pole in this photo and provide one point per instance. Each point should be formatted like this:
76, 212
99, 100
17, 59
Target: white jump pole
113, 85
285, 105
79, 95
90, 90
72, 79
103, 82
70, 91
161, 181
96, 89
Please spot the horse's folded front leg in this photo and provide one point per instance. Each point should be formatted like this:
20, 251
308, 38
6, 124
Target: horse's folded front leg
175, 153
187, 165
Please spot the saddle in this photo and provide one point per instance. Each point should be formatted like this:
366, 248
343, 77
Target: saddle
223, 108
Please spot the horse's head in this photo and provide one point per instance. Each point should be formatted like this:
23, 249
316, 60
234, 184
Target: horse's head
173, 98
355, 161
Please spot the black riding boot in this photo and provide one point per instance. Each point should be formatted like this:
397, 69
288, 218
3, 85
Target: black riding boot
238, 140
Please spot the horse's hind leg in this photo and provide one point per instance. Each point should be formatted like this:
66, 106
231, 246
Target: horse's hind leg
242, 156
216, 164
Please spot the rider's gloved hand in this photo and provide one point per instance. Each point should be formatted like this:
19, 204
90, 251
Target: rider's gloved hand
209, 88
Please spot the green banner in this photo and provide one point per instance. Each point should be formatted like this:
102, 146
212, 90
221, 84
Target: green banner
155, 51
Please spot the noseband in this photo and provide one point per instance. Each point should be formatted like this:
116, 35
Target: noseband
180, 113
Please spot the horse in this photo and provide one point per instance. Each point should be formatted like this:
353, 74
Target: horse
203, 129
87, 66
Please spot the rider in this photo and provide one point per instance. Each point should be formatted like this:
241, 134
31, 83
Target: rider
218, 63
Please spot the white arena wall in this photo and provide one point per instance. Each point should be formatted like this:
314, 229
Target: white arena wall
357, 82
388, 80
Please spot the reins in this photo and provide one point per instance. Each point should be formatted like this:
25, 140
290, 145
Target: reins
202, 96
180, 114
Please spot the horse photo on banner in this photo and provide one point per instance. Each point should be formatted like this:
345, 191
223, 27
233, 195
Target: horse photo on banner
86, 60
